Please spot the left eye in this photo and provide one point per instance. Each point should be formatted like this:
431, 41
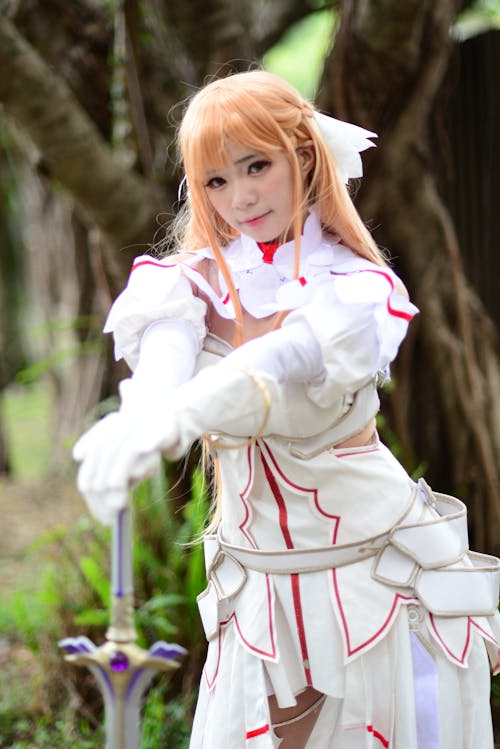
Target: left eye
215, 182
258, 166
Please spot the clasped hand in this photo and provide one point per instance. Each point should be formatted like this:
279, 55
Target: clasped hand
119, 451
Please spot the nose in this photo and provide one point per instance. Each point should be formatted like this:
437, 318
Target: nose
244, 195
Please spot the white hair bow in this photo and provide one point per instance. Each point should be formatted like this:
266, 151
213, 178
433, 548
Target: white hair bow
345, 142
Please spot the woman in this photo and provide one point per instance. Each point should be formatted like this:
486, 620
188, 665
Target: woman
342, 609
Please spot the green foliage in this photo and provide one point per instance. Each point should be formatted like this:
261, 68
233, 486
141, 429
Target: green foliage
477, 18
47, 734
164, 723
71, 596
169, 570
27, 416
299, 57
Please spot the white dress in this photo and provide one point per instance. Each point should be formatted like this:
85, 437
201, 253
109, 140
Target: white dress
391, 625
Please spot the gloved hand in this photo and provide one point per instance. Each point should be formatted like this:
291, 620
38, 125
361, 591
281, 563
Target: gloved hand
110, 465
125, 447
111, 454
160, 415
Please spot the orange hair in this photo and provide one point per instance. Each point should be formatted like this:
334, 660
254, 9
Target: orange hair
262, 111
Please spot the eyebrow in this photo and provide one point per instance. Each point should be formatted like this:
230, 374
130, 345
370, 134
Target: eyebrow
244, 159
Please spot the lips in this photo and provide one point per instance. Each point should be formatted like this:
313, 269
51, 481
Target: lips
256, 220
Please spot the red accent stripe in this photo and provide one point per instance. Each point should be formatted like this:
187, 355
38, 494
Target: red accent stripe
268, 250
294, 578
226, 299
243, 497
152, 262
306, 490
467, 645
487, 635
387, 623
378, 736
392, 310
233, 618
163, 265
272, 653
283, 513
302, 280
295, 581
258, 731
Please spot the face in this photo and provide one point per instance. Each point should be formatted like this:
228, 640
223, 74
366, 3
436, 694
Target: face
253, 193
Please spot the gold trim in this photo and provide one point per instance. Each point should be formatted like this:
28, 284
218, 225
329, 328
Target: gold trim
121, 628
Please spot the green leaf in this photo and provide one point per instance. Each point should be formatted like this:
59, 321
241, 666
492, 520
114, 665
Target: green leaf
97, 579
92, 618
163, 602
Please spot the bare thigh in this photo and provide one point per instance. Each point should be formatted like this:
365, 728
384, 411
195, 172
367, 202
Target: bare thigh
296, 733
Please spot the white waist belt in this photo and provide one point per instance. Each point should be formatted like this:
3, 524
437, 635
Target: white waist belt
291, 561
430, 557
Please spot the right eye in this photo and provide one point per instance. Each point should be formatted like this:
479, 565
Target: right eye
215, 182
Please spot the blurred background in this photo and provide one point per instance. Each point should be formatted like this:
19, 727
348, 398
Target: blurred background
91, 92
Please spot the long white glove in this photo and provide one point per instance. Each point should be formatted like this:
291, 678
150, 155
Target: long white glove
160, 415
111, 457
235, 396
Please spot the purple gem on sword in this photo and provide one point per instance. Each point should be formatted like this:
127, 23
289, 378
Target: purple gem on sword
118, 661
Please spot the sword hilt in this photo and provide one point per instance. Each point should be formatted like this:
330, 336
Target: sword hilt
121, 668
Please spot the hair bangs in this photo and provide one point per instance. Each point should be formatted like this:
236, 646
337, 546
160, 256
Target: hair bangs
207, 128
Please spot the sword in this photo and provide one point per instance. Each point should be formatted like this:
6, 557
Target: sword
121, 668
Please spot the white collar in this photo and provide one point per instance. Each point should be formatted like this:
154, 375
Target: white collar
244, 253
265, 288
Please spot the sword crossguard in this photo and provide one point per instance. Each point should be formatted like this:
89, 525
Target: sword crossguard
121, 668
122, 671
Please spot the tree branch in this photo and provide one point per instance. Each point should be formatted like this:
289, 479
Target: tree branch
117, 200
386, 72
271, 20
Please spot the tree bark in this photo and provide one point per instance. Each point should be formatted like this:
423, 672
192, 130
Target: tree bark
74, 153
386, 72
214, 35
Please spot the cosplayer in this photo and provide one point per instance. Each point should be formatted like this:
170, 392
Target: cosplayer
343, 608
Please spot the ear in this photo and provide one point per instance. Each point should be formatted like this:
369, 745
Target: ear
306, 158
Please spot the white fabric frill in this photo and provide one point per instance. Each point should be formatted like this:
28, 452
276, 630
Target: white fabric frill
156, 290
359, 298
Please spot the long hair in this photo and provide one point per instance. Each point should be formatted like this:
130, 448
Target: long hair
262, 111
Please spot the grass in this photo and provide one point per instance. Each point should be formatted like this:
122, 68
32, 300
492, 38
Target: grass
58, 584
27, 411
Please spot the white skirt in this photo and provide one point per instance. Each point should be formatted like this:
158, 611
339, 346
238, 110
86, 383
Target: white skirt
403, 693
394, 675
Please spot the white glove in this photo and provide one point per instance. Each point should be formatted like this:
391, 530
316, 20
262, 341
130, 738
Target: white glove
220, 398
124, 447
289, 354
110, 464
112, 456
236, 396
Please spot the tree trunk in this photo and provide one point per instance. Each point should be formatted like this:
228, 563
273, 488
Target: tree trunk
386, 72
472, 165
74, 153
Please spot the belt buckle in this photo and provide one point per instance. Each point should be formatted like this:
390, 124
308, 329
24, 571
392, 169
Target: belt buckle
228, 575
